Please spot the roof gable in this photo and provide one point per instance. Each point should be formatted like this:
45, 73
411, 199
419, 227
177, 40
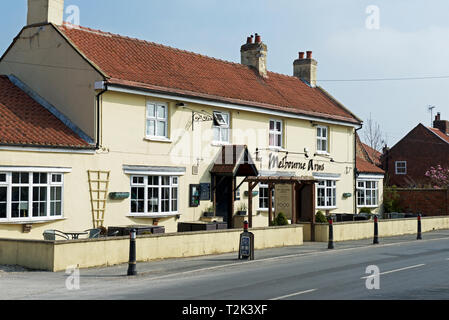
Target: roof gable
147, 65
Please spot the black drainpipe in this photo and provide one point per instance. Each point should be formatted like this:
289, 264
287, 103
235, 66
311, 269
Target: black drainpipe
98, 114
355, 169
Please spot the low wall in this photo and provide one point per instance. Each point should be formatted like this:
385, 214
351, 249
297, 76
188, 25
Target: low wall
58, 255
345, 231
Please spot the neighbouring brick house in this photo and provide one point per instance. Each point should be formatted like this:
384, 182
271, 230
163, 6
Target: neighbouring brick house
407, 162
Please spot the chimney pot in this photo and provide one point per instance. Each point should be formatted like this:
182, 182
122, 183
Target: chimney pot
305, 69
255, 55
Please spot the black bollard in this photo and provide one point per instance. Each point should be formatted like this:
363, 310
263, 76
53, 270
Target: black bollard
376, 231
331, 234
132, 253
419, 228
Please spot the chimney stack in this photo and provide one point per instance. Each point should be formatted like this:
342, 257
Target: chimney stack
442, 125
45, 11
305, 69
255, 55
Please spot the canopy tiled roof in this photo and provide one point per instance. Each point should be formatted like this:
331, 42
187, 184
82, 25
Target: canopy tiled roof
24, 122
364, 166
145, 65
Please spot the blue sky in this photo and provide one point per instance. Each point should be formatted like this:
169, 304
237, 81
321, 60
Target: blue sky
412, 41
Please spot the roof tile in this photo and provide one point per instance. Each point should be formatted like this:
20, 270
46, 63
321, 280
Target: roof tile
149, 65
23, 121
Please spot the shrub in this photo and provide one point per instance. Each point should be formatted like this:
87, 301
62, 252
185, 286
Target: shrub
365, 210
280, 220
391, 200
320, 217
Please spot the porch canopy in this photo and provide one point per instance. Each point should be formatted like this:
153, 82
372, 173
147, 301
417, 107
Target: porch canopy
299, 183
232, 161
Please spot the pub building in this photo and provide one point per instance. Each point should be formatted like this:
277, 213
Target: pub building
130, 132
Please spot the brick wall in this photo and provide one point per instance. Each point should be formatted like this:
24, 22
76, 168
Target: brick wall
429, 202
421, 149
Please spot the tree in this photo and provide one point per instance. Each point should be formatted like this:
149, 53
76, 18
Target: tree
439, 177
373, 136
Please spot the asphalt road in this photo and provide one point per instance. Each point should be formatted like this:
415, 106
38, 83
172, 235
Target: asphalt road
409, 269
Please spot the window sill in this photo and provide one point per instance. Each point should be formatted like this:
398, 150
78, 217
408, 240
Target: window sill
277, 149
371, 206
158, 139
20, 222
220, 144
326, 208
323, 153
152, 216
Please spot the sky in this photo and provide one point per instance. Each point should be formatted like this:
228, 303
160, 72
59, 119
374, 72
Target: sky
350, 39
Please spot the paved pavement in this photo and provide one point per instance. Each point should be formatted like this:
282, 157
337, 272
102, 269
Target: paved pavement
409, 269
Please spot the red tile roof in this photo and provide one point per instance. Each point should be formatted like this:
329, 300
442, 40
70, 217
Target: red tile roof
364, 166
373, 154
439, 134
23, 121
146, 65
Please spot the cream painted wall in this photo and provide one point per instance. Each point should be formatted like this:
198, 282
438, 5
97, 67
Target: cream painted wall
42, 53
45, 62
124, 143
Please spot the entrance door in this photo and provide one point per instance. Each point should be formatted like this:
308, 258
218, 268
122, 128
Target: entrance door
223, 193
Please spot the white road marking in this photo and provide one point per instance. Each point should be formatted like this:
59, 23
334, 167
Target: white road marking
314, 253
397, 270
294, 294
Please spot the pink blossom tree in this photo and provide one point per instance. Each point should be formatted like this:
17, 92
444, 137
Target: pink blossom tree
439, 177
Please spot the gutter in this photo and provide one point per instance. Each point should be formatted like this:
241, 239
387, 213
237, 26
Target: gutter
104, 88
355, 168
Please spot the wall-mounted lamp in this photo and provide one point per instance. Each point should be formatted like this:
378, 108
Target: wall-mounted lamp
180, 104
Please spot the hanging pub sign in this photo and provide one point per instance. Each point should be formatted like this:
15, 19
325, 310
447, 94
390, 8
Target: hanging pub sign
275, 163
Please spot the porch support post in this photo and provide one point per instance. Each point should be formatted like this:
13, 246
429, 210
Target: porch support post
270, 204
312, 201
250, 203
231, 213
294, 185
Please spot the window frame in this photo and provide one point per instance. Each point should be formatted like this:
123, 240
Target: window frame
265, 186
173, 184
276, 133
320, 139
332, 188
48, 185
156, 120
364, 191
221, 128
396, 167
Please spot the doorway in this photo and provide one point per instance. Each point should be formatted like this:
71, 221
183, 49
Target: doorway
223, 193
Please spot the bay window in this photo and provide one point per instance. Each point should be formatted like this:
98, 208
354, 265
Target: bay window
327, 194
367, 193
154, 195
28, 196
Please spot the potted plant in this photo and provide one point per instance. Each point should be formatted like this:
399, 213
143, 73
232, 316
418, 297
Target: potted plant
209, 212
242, 210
